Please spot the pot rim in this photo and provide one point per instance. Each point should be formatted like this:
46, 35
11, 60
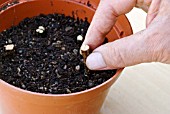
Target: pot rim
118, 72
73, 1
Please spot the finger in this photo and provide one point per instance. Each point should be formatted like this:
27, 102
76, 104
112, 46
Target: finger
104, 20
153, 11
143, 4
121, 53
101, 24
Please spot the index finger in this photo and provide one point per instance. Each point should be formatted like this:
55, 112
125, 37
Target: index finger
102, 23
104, 20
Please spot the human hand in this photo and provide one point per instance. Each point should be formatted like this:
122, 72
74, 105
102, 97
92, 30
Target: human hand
149, 45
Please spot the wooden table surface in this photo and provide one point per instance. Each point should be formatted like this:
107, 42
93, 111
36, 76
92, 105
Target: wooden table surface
141, 89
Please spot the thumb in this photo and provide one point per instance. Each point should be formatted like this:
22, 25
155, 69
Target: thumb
121, 53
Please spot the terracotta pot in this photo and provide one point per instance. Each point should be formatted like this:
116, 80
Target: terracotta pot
17, 101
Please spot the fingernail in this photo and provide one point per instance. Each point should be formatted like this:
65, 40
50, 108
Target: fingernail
95, 61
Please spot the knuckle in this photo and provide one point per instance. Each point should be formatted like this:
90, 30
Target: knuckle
158, 47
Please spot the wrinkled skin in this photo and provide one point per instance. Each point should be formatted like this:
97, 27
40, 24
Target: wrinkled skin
149, 45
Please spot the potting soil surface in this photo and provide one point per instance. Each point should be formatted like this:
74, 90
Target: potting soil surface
41, 54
